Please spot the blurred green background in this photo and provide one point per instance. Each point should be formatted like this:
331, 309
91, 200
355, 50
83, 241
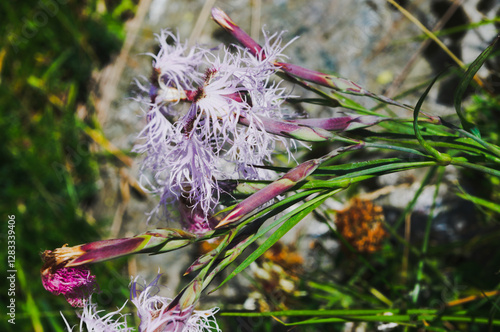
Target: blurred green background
49, 51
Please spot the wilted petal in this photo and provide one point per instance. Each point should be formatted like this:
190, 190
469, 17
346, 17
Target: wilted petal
75, 283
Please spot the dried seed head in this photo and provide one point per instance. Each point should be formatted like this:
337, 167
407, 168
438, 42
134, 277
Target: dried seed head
361, 225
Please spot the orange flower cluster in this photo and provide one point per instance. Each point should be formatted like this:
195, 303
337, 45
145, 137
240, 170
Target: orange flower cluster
205, 247
285, 256
277, 274
360, 224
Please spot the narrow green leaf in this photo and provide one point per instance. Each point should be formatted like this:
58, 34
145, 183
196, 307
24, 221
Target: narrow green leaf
464, 83
480, 168
334, 291
425, 244
435, 153
56, 65
479, 201
343, 169
365, 173
314, 101
334, 312
412, 316
297, 216
400, 319
490, 147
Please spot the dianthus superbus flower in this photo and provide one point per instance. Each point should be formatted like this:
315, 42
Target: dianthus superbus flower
159, 313
92, 320
176, 64
190, 148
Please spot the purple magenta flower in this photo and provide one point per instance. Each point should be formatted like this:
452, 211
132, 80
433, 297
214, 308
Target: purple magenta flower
188, 152
156, 313
194, 220
75, 283
234, 88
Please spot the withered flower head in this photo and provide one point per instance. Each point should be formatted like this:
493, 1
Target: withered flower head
75, 283
360, 224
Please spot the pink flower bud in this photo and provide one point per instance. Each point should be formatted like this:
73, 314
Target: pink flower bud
225, 22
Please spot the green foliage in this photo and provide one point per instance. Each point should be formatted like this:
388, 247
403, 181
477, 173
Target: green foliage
49, 50
431, 283
464, 83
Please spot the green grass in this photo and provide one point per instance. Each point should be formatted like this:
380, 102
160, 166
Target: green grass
48, 172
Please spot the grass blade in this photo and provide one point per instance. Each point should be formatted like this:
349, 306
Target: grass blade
464, 83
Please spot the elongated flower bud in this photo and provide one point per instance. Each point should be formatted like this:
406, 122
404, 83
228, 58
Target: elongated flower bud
278, 187
225, 22
292, 130
271, 191
341, 123
333, 82
156, 241
200, 262
65, 269
315, 130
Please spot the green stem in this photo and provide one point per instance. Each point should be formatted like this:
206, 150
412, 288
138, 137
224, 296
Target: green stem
369, 315
490, 147
412, 203
425, 245
456, 145
440, 157
481, 168
347, 179
393, 147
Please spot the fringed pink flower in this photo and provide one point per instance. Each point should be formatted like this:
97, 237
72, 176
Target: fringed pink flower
92, 320
156, 313
190, 148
